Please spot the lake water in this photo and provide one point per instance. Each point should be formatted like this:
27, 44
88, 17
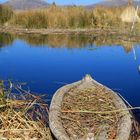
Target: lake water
48, 62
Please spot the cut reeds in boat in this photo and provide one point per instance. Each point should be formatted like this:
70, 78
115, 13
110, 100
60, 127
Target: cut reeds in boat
87, 110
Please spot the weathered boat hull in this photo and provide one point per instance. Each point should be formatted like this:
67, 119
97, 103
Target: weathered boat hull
124, 127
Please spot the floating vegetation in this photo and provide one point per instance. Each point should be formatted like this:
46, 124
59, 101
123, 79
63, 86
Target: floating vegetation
22, 115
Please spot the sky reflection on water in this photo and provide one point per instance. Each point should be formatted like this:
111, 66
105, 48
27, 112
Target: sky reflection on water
46, 67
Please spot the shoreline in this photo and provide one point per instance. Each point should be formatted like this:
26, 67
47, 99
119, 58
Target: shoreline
125, 34
41, 31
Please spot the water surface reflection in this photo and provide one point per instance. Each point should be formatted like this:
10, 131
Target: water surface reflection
48, 62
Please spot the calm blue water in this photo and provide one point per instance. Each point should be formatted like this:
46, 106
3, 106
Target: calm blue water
47, 67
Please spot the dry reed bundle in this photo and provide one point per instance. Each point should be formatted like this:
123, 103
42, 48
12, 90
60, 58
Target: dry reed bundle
23, 116
85, 111
93, 111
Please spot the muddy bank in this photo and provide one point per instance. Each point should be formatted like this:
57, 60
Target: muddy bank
21, 30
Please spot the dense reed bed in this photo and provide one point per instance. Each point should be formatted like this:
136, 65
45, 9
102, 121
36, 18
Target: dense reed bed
63, 17
6, 13
67, 17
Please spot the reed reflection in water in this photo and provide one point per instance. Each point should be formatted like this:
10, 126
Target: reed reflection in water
48, 62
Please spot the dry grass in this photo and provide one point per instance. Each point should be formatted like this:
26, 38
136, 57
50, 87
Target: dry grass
69, 17
52, 17
23, 116
93, 111
65, 17
93, 100
6, 13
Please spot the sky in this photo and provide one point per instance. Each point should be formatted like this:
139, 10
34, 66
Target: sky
65, 2
1, 1
77, 2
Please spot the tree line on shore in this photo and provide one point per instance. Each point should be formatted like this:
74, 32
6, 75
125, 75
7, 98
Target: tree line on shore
63, 17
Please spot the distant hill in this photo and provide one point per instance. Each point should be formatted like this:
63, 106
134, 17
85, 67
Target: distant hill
26, 4
32, 4
110, 3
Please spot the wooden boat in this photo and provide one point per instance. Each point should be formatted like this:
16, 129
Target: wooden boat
64, 126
